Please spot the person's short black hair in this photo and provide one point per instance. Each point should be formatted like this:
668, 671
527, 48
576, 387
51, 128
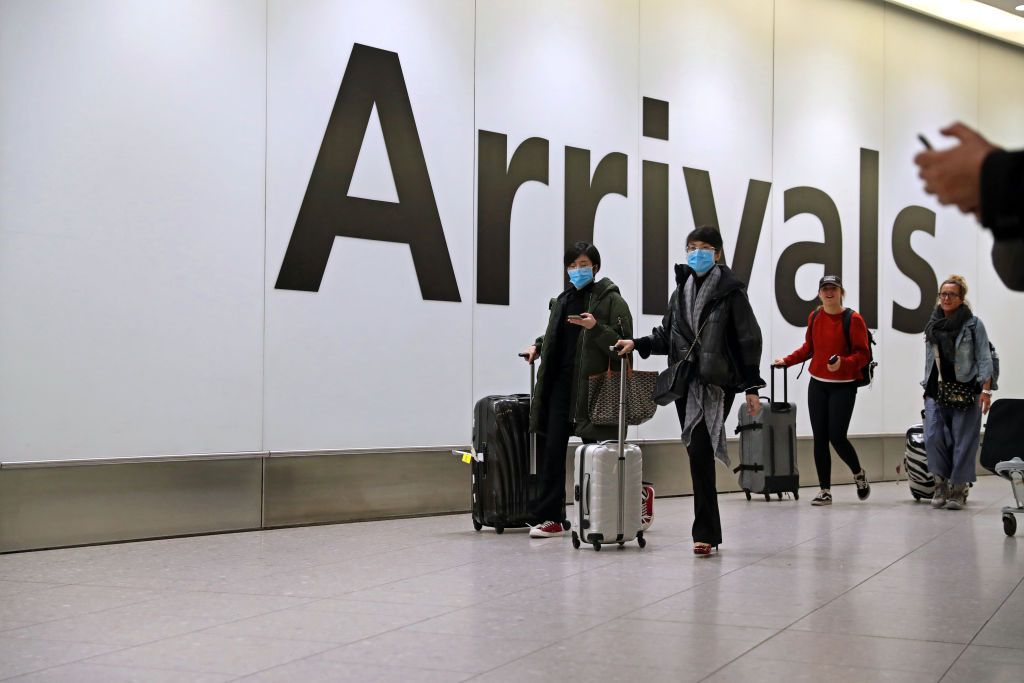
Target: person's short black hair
706, 234
579, 249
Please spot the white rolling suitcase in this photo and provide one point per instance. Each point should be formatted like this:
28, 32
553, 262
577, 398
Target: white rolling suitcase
609, 482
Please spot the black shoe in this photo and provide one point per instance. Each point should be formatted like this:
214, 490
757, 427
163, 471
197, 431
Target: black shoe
863, 487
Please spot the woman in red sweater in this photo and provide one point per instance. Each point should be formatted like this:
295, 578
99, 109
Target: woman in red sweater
836, 364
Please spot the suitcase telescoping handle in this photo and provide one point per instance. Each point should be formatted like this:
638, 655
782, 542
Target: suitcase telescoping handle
784, 406
622, 404
533, 436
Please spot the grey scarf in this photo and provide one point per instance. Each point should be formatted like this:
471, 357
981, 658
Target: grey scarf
704, 401
943, 331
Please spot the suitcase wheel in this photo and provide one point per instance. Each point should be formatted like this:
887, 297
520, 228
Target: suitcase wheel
477, 525
780, 495
640, 540
768, 497
499, 529
597, 546
566, 524
747, 491
575, 540
1009, 524
622, 544
796, 495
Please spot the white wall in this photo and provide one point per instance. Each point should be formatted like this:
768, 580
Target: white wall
131, 227
153, 162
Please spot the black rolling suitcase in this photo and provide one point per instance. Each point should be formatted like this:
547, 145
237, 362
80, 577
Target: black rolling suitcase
768, 447
1001, 453
1004, 433
504, 467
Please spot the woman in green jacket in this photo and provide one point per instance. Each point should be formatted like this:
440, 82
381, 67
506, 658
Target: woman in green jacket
584, 323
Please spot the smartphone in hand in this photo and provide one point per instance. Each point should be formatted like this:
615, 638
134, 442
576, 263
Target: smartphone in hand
575, 317
924, 141
832, 359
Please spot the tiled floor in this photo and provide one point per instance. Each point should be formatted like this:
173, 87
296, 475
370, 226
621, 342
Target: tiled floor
884, 590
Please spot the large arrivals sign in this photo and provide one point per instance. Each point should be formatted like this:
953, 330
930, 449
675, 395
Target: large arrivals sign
305, 225
374, 81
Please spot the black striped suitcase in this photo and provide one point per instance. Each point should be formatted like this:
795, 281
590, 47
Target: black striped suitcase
915, 464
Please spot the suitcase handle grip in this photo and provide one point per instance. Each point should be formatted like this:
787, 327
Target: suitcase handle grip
585, 498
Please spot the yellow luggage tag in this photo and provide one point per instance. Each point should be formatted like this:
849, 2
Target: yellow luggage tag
467, 456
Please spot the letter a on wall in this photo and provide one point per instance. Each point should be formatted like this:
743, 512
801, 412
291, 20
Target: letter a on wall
373, 77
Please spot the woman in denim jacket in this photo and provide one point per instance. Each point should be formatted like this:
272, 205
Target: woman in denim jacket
950, 434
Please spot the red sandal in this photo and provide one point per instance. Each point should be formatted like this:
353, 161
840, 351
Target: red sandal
703, 548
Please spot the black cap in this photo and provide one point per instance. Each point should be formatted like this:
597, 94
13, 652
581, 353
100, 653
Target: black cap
830, 280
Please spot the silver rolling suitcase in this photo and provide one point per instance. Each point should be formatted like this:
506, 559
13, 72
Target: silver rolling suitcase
608, 482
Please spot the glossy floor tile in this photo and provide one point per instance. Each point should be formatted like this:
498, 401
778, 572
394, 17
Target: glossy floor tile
886, 590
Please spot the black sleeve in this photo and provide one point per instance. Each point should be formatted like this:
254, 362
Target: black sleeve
1002, 194
657, 342
748, 335
1008, 261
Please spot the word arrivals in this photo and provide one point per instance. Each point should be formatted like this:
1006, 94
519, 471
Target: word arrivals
374, 78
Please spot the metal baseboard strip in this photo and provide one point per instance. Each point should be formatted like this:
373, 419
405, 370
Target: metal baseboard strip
55, 506
79, 502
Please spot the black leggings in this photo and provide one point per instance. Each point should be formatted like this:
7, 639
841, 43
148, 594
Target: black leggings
830, 407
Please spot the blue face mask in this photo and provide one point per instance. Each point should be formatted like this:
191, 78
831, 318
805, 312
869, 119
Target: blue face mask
700, 260
581, 277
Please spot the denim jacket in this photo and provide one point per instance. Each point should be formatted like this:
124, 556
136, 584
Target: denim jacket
973, 357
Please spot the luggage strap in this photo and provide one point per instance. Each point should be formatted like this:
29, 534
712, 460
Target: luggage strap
750, 468
749, 427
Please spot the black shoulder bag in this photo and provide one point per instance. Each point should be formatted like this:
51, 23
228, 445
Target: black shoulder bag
674, 381
953, 394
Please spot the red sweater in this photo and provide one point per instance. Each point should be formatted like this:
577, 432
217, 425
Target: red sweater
828, 340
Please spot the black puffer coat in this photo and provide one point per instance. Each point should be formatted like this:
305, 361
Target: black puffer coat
729, 353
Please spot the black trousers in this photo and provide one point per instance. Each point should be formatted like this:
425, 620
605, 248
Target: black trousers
549, 506
707, 524
830, 407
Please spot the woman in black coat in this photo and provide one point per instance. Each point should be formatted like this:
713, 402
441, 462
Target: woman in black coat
709, 308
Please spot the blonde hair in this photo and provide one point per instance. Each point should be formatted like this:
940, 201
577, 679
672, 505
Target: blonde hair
960, 281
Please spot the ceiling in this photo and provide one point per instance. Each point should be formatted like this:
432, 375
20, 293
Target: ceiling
996, 18
1008, 5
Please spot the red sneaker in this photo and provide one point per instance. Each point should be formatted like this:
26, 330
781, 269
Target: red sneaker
646, 507
547, 530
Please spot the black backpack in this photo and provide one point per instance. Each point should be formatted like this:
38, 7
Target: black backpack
867, 373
